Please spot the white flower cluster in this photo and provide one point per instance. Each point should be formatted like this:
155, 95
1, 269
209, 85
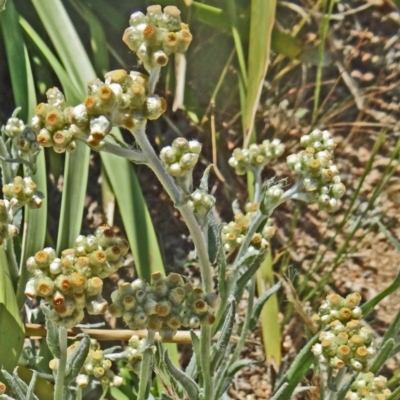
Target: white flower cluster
343, 342
156, 35
369, 387
256, 156
320, 176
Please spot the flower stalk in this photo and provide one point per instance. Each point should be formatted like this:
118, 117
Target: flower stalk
145, 375
59, 387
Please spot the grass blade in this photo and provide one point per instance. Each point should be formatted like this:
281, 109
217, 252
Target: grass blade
11, 327
262, 17
78, 67
271, 331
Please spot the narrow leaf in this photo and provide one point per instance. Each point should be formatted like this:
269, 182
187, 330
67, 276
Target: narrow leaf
238, 365
271, 331
260, 304
11, 326
370, 305
297, 370
14, 46
188, 383
226, 332
134, 213
77, 64
77, 359
16, 388
383, 354
43, 388
52, 336
262, 18
30, 395
194, 367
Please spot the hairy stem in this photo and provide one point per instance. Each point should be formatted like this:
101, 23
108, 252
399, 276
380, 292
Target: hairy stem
198, 239
62, 363
135, 156
153, 79
145, 375
336, 383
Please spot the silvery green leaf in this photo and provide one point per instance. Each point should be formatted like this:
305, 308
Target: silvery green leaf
204, 179
341, 395
382, 356
226, 332
194, 366
77, 359
276, 396
30, 395
297, 370
52, 336
238, 365
214, 236
252, 266
5, 397
18, 391
187, 383
221, 260
260, 304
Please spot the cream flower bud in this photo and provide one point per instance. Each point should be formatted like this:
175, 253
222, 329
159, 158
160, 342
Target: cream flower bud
82, 380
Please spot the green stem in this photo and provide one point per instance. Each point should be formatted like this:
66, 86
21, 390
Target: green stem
195, 231
176, 196
145, 368
153, 79
62, 363
154, 162
130, 154
336, 382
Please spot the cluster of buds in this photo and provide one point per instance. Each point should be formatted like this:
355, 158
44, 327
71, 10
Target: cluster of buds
52, 125
73, 282
320, 177
115, 102
22, 192
23, 138
134, 354
201, 202
343, 342
95, 366
256, 156
234, 232
7, 229
164, 306
156, 35
369, 387
181, 157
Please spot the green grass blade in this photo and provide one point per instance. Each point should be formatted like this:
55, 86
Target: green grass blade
35, 220
66, 41
78, 67
271, 331
72, 92
15, 48
11, 327
231, 7
135, 215
262, 17
97, 37
298, 370
328, 8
